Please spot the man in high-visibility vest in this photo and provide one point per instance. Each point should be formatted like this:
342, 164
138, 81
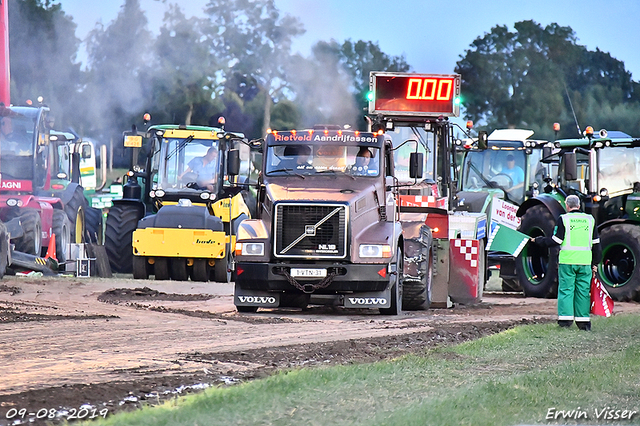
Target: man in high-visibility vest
577, 236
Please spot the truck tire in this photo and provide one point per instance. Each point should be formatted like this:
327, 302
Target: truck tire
94, 225
122, 220
396, 281
537, 267
31, 241
75, 210
418, 262
620, 267
61, 227
140, 268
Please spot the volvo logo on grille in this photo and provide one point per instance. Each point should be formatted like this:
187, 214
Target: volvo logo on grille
310, 230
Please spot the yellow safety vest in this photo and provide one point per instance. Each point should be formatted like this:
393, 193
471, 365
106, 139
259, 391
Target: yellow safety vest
576, 246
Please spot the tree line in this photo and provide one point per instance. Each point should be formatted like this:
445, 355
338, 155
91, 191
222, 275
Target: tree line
236, 61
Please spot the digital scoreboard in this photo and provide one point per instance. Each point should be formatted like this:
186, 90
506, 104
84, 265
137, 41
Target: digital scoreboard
402, 94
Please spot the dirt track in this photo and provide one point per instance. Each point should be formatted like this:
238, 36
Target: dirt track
121, 343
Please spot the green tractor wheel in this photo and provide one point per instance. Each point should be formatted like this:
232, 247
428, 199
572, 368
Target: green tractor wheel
620, 267
121, 222
537, 267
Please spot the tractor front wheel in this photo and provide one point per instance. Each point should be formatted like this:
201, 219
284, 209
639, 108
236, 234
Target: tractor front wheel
537, 267
122, 220
620, 267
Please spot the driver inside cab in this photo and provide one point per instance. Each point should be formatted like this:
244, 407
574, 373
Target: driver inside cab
363, 164
514, 172
205, 168
14, 137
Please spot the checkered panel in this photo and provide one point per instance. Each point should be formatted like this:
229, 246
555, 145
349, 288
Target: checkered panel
422, 201
467, 249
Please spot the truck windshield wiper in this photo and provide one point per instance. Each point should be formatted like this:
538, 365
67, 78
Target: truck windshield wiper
180, 147
335, 172
287, 171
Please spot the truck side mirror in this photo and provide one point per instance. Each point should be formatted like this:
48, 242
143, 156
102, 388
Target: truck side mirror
482, 140
233, 162
415, 165
570, 166
547, 151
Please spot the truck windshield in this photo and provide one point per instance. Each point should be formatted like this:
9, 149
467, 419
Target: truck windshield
319, 159
495, 168
195, 164
619, 168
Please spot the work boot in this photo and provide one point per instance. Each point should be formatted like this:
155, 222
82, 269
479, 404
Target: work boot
586, 326
565, 323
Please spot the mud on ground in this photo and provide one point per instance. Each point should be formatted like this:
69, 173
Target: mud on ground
120, 344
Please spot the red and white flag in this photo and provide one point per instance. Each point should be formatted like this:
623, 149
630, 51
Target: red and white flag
601, 301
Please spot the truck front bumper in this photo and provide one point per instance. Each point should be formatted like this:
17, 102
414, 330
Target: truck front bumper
353, 286
348, 278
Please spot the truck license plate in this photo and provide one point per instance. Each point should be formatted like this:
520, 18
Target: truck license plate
308, 272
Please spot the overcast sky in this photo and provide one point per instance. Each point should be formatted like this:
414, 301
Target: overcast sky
431, 34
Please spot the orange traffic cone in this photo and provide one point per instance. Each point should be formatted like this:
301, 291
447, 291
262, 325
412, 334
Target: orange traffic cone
51, 250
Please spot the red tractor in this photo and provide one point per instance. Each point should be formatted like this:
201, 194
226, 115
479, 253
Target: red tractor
37, 200
33, 207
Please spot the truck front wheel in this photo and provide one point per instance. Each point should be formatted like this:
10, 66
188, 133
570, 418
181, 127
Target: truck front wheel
620, 267
537, 267
396, 281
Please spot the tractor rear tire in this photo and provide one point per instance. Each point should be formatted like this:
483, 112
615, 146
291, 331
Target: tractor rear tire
31, 241
620, 267
75, 210
94, 222
121, 222
61, 227
4, 249
537, 267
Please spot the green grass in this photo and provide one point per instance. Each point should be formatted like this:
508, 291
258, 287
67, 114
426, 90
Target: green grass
510, 378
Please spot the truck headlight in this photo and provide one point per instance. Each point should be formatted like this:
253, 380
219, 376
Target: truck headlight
249, 249
375, 250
